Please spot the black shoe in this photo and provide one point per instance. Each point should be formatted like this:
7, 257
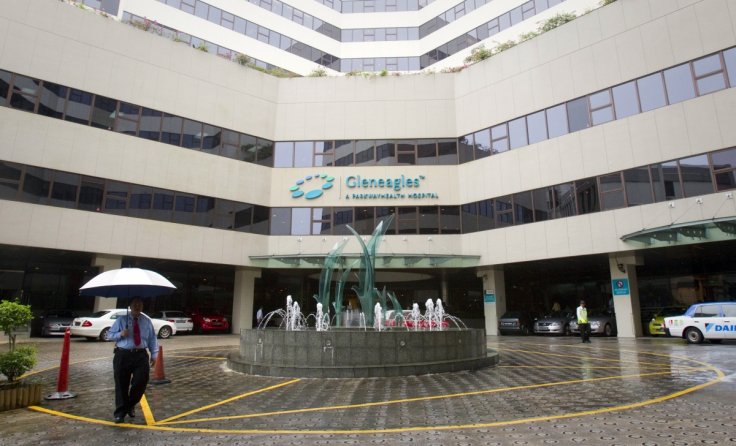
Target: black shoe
119, 420
131, 413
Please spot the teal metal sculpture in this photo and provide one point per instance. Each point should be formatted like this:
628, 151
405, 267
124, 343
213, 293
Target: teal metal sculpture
366, 289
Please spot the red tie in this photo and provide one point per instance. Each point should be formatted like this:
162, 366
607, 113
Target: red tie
136, 332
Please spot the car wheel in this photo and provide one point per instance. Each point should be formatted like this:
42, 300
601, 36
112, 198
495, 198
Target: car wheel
693, 335
165, 332
103, 334
607, 330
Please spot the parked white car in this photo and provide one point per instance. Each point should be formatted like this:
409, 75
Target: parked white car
97, 325
181, 320
714, 321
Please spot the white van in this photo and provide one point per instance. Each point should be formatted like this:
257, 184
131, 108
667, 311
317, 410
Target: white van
713, 321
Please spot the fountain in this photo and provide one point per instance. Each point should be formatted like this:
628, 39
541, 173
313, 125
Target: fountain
386, 342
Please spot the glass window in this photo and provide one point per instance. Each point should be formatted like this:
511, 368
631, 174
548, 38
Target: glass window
695, 174
78, 107
428, 220
537, 125
36, 185
486, 215
64, 189
612, 192
385, 153
523, 209
651, 92
264, 154
724, 166
465, 146
517, 133
557, 121
499, 139
666, 181
482, 143
4, 87
342, 217
25, 92
709, 75
450, 219
447, 151
52, 100
210, 138
9, 180
679, 81
323, 153
90, 194
364, 152
587, 196
381, 213
638, 186
577, 112
303, 154
407, 220
601, 107
364, 220
283, 154
426, 152
469, 215
150, 124
344, 153
103, 113
625, 100
504, 211
184, 208
542, 203
564, 200
116, 197
191, 134
729, 57
140, 201
280, 221
301, 220
171, 129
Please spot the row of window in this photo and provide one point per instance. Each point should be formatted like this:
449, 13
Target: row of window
240, 25
682, 82
685, 81
687, 177
195, 42
370, 6
253, 30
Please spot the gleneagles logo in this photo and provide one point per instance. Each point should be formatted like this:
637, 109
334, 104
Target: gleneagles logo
320, 181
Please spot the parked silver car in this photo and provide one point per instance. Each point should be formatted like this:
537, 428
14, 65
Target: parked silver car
55, 322
557, 323
601, 323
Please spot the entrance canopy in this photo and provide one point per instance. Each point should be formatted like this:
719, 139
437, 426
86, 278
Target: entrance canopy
712, 230
393, 261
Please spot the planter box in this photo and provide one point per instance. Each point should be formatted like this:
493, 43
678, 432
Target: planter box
19, 395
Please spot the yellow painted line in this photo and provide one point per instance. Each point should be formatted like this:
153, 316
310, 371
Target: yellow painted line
412, 400
147, 413
229, 400
576, 367
158, 427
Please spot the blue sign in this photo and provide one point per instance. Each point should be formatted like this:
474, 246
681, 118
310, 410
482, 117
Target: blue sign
489, 297
620, 287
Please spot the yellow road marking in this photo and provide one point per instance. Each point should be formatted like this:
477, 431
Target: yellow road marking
655, 364
412, 400
159, 427
147, 413
228, 400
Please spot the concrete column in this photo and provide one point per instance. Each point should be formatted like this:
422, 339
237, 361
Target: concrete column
625, 289
494, 297
243, 296
106, 263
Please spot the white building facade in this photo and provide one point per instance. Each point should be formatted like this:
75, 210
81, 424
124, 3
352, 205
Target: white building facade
593, 161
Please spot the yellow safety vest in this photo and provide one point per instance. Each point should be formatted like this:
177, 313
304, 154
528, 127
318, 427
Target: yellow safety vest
582, 315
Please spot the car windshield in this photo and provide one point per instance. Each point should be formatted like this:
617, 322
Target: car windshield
99, 313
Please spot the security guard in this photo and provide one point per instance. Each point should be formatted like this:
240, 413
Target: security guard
583, 323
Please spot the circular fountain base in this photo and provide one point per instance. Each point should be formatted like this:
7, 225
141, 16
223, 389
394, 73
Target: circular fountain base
346, 353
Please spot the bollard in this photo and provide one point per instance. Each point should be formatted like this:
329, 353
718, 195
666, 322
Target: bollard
158, 372
62, 392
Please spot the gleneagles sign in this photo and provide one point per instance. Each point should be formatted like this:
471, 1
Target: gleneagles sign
364, 188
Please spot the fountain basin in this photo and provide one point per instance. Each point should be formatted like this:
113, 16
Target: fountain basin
357, 353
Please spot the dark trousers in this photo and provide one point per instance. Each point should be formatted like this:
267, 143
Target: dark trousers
584, 332
131, 370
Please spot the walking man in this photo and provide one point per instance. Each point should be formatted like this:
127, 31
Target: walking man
583, 323
133, 335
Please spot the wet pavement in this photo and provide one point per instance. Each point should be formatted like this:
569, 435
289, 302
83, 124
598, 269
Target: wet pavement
545, 390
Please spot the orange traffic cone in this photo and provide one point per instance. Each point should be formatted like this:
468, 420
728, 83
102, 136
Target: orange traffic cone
62, 392
158, 371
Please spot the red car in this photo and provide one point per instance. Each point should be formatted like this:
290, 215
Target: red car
206, 320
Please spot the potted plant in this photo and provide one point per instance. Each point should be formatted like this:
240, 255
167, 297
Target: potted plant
17, 360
